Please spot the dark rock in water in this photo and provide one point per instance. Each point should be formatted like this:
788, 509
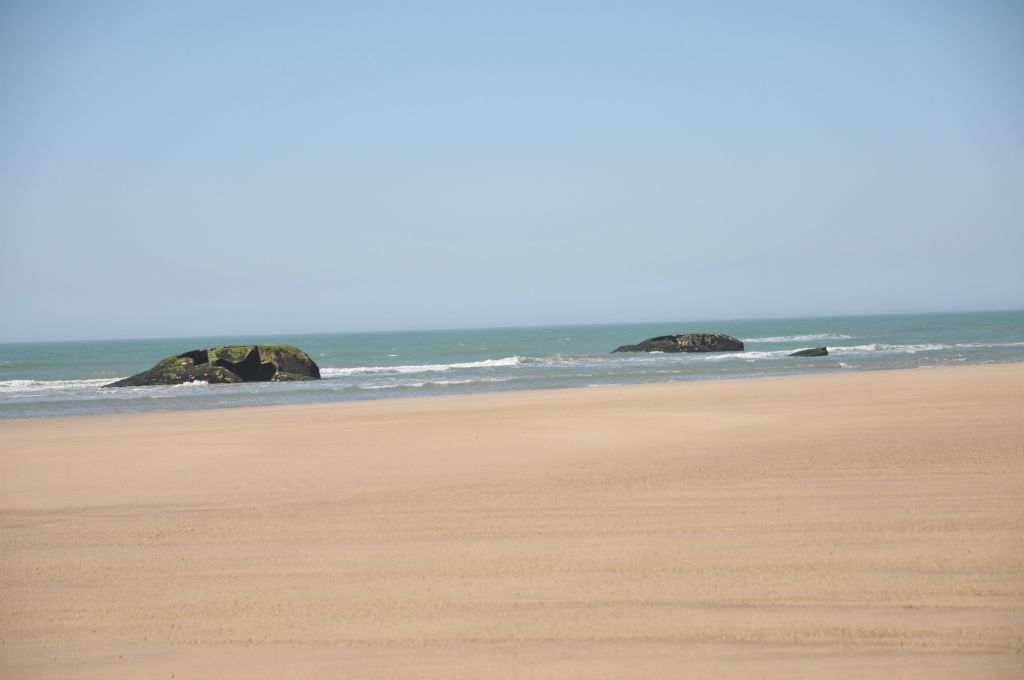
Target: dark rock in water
691, 342
229, 364
813, 352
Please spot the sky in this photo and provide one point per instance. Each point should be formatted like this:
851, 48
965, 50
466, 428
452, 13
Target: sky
224, 168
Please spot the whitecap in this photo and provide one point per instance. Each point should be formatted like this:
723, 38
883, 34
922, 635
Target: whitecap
745, 356
918, 347
801, 338
331, 371
16, 386
398, 384
888, 349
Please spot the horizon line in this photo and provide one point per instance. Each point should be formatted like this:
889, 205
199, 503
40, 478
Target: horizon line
510, 327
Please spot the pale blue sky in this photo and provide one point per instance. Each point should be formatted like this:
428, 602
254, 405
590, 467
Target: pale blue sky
206, 168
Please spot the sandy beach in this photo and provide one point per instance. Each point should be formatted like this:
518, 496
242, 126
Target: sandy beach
846, 525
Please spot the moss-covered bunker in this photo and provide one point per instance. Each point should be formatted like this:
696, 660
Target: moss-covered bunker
228, 364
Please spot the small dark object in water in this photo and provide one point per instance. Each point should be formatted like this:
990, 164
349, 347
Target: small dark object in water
813, 352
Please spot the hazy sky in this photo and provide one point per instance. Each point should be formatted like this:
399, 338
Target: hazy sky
205, 168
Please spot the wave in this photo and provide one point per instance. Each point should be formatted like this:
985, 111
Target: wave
743, 356
853, 350
15, 386
801, 338
554, 369
884, 348
331, 371
915, 348
425, 383
652, 359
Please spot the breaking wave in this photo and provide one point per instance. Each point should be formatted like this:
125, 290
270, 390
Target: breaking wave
801, 338
16, 386
744, 356
426, 383
915, 348
328, 371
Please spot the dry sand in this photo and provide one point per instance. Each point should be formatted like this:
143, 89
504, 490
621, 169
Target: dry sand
832, 526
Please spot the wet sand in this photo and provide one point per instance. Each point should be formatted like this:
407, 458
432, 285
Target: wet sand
840, 526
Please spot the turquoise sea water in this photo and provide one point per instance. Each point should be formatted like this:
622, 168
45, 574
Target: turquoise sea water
66, 378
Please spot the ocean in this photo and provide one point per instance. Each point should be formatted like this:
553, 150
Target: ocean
66, 378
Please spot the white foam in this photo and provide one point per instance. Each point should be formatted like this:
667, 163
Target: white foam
857, 349
397, 384
889, 349
801, 338
973, 345
745, 356
467, 382
16, 386
420, 368
915, 348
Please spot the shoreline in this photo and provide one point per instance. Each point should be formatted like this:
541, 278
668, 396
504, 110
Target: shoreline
498, 393
865, 524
